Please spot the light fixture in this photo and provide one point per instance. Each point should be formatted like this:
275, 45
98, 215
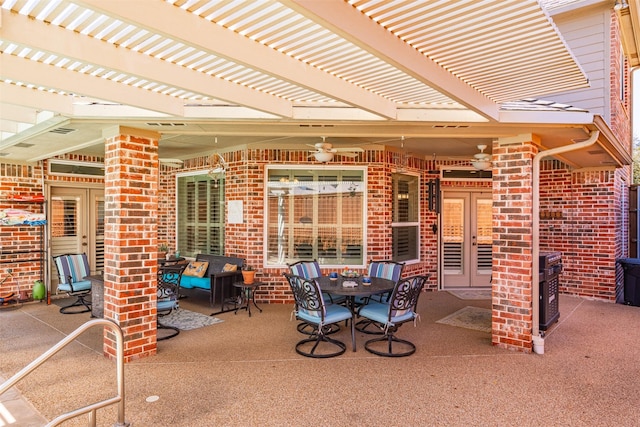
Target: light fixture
481, 160
323, 156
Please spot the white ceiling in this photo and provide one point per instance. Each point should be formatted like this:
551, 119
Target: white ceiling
211, 74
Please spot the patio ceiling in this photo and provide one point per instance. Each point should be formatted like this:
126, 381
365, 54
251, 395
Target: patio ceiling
280, 72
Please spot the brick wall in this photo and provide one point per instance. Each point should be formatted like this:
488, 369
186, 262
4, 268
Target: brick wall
20, 246
245, 181
620, 96
584, 216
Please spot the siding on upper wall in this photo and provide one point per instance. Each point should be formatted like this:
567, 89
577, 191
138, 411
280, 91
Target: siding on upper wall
588, 35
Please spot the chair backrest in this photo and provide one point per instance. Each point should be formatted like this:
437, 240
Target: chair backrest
386, 269
72, 268
308, 297
306, 269
404, 298
169, 285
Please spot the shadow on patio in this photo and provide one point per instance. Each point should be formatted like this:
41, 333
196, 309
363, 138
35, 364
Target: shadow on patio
244, 371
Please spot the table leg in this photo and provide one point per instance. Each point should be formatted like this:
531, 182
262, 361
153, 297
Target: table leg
352, 303
248, 301
254, 301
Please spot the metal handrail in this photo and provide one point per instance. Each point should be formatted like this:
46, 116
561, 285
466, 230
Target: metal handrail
91, 408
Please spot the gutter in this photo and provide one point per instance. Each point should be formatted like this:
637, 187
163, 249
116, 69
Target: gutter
538, 339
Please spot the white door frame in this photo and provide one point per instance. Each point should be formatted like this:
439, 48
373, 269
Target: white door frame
471, 274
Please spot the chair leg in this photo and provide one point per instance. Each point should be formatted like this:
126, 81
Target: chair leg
79, 302
317, 340
363, 326
175, 332
402, 347
309, 329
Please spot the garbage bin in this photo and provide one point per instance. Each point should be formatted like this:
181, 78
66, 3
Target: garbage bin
631, 267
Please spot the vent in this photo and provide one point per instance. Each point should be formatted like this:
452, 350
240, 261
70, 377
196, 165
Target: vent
461, 173
62, 131
595, 152
23, 145
449, 126
166, 124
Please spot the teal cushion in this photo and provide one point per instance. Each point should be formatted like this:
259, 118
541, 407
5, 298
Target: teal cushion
379, 312
190, 282
83, 285
333, 314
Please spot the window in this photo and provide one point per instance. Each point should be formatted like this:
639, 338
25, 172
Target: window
73, 168
315, 214
406, 217
200, 210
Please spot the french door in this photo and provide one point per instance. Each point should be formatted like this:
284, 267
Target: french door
466, 239
76, 218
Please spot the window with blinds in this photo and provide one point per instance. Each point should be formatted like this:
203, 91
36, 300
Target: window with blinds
406, 217
200, 202
315, 214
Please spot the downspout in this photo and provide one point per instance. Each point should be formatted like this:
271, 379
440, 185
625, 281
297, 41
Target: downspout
538, 340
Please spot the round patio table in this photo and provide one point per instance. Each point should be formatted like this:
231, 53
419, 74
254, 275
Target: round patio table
378, 286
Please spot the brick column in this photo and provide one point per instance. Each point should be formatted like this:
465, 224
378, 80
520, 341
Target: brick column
131, 215
512, 243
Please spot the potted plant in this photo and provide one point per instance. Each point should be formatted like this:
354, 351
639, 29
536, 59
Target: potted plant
248, 274
163, 248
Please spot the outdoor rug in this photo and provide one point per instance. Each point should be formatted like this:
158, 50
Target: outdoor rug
475, 318
472, 294
186, 319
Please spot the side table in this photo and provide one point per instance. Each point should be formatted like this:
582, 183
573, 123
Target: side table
247, 296
97, 295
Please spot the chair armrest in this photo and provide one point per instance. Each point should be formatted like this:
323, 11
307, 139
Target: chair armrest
223, 274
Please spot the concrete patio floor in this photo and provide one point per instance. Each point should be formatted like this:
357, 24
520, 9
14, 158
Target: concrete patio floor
245, 372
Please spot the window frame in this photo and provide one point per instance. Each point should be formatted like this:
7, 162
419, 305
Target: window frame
223, 224
413, 224
316, 168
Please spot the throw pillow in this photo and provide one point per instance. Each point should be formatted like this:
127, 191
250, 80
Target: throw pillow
196, 269
230, 267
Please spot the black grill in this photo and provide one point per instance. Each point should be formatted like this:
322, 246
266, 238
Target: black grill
550, 269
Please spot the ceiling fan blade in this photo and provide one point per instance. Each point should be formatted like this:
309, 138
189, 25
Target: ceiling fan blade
349, 149
345, 154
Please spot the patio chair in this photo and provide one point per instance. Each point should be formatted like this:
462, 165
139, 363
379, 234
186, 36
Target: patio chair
72, 270
310, 307
168, 295
400, 308
386, 269
305, 269
311, 270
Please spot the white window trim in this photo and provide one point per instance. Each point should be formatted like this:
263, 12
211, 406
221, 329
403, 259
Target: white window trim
413, 223
314, 167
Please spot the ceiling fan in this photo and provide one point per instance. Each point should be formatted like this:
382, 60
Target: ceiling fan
217, 163
324, 151
481, 161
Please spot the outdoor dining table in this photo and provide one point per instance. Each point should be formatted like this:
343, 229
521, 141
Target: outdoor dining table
335, 287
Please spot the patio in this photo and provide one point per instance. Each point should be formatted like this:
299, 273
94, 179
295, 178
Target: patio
245, 371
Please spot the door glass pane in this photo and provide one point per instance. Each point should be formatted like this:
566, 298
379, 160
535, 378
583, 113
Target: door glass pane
453, 234
64, 217
484, 234
99, 254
